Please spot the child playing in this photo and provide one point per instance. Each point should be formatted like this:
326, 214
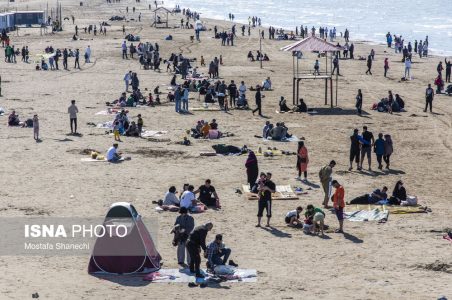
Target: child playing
116, 131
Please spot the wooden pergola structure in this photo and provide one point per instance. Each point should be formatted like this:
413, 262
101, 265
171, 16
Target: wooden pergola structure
161, 17
313, 44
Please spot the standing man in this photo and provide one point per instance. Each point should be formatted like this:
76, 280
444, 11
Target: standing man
336, 65
258, 98
88, 55
429, 94
197, 241
77, 57
339, 204
65, 56
178, 98
354, 149
367, 142
186, 225
232, 89
369, 65
448, 69
73, 111
266, 189
325, 178
127, 79
124, 50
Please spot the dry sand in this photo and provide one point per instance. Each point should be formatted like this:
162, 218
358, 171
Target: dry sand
370, 262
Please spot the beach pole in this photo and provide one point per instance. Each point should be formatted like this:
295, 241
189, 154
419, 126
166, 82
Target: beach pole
0, 86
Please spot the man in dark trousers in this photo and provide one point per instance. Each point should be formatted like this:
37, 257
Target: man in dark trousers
448, 69
77, 57
336, 65
429, 94
266, 187
369, 65
197, 241
258, 98
186, 224
65, 56
232, 89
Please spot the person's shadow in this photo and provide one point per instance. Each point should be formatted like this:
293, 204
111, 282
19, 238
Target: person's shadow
311, 184
353, 238
276, 232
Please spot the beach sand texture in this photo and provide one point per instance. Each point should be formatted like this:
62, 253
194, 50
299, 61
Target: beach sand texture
369, 262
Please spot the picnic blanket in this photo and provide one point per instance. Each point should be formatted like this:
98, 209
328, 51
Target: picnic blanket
89, 159
153, 133
183, 276
108, 112
293, 138
105, 125
393, 209
367, 215
283, 192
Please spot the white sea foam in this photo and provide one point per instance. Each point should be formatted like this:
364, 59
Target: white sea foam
368, 20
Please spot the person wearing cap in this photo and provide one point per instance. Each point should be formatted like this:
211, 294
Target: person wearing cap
325, 178
185, 224
217, 254
197, 241
339, 204
112, 154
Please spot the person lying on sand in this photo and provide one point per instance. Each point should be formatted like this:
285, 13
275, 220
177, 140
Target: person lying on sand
371, 198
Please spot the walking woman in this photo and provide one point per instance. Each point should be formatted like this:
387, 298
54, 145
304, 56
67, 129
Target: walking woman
388, 150
302, 161
386, 66
252, 169
359, 102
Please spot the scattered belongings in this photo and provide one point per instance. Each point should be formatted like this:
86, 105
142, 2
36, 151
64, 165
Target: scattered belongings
283, 192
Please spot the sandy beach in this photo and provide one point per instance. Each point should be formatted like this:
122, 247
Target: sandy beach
395, 260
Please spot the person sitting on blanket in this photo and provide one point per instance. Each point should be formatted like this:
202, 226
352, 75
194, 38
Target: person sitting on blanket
171, 198
205, 130
267, 84
130, 101
287, 130
293, 217
208, 195
217, 254
132, 130
314, 219
398, 194
13, 119
112, 154
374, 197
214, 124
278, 133
188, 200
283, 105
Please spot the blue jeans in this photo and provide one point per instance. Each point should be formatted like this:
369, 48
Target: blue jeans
217, 259
177, 104
185, 105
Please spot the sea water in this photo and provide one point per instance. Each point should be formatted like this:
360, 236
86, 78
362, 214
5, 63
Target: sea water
367, 20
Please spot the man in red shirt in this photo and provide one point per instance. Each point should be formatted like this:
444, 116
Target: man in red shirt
339, 204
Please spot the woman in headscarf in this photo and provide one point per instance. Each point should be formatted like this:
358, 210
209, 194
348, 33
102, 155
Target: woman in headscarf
398, 194
388, 150
302, 161
252, 169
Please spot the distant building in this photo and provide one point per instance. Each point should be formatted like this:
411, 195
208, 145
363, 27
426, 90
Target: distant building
10, 20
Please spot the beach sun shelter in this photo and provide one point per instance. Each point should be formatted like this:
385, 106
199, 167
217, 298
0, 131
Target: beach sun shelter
322, 47
118, 253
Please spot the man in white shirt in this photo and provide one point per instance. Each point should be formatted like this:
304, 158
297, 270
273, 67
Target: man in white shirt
72, 111
171, 198
188, 199
112, 154
242, 89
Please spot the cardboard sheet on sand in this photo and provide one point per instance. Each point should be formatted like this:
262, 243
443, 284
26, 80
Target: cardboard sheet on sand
273, 152
367, 215
183, 276
210, 108
291, 139
283, 192
153, 133
89, 159
393, 209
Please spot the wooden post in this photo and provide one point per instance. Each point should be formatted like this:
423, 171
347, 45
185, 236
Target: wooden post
0, 86
326, 91
337, 80
260, 47
293, 90
331, 90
